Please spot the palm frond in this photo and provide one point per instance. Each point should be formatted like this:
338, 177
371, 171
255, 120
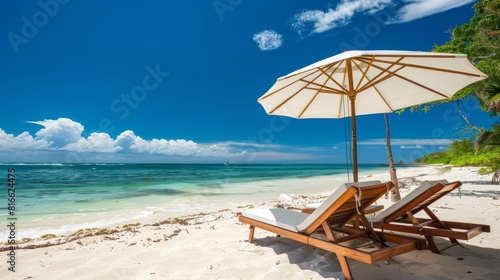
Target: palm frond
488, 139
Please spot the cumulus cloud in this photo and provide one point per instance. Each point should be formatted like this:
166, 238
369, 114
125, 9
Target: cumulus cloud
60, 132
416, 9
96, 142
65, 134
23, 141
268, 40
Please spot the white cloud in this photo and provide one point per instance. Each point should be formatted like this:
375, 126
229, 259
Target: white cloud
422, 8
411, 147
66, 135
340, 16
23, 141
96, 142
318, 21
408, 142
125, 140
60, 132
275, 156
268, 40
165, 147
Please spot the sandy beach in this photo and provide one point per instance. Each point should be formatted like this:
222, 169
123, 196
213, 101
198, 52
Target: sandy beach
213, 245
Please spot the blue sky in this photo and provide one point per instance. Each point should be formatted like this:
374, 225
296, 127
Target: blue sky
178, 81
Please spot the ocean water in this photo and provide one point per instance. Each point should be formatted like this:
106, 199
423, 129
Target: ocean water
61, 198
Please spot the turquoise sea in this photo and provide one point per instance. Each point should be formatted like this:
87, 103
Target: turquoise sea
61, 198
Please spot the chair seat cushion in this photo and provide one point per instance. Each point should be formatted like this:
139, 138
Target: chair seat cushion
424, 186
283, 218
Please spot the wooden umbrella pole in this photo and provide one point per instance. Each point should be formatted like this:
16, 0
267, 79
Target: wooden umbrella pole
354, 141
352, 98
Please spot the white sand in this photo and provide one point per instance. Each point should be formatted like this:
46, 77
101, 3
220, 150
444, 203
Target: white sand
213, 246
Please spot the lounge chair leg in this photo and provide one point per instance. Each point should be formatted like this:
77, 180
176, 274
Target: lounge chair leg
436, 219
443, 225
346, 270
431, 244
328, 231
374, 235
250, 237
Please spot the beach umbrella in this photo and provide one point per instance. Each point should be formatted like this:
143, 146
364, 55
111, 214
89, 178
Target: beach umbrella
356, 83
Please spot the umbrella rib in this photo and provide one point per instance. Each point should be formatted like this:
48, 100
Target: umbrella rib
285, 101
424, 67
412, 55
308, 104
329, 77
381, 96
342, 93
326, 90
308, 83
376, 79
317, 68
321, 89
393, 73
422, 86
364, 73
298, 80
293, 82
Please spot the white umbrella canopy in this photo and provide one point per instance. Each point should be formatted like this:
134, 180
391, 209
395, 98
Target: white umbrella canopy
356, 83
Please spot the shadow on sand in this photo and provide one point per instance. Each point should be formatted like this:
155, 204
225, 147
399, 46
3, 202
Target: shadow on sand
456, 262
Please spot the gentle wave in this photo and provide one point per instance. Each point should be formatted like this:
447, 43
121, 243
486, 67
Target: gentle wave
48, 190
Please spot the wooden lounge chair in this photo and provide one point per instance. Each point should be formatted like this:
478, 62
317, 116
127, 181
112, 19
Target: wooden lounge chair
400, 217
346, 241
368, 210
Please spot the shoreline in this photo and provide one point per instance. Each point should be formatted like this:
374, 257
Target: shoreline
213, 244
153, 208
187, 206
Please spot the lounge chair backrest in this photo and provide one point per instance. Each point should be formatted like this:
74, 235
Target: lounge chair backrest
327, 204
399, 206
357, 184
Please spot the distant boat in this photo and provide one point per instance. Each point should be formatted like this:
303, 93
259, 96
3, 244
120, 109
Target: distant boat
227, 163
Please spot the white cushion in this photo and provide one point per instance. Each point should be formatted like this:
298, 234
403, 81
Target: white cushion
424, 186
357, 184
329, 201
283, 218
297, 221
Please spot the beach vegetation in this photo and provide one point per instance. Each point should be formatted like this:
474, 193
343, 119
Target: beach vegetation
92, 232
463, 153
25, 240
131, 225
175, 233
484, 171
479, 39
48, 236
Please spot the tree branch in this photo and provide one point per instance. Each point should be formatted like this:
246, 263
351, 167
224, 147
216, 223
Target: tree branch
480, 130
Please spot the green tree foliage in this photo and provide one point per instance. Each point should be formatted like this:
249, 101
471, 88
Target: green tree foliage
462, 153
489, 96
490, 139
479, 39
462, 147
